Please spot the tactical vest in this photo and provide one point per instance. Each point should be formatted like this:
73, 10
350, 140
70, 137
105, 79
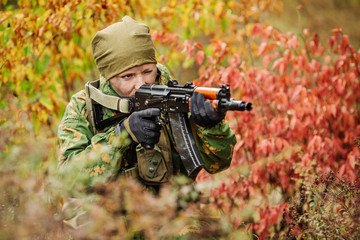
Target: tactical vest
154, 166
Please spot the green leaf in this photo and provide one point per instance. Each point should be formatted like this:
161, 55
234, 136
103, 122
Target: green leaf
88, 14
81, 7
5, 37
53, 88
36, 122
26, 86
211, 24
40, 66
73, 16
188, 63
33, 96
224, 24
34, 3
64, 61
11, 85
191, 24
76, 39
27, 51
201, 21
44, 100
3, 103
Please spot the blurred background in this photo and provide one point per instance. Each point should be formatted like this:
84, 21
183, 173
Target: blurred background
305, 121
294, 16
320, 17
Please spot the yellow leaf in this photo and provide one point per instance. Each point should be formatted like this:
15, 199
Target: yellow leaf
219, 8
232, 4
46, 14
5, 16
89, 14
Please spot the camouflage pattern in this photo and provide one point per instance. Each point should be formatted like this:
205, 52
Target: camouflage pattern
76, 139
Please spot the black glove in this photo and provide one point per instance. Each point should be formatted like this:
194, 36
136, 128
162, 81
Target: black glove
142, 127
203, 112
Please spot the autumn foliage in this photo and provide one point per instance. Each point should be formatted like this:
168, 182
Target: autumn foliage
305, 123
305, 120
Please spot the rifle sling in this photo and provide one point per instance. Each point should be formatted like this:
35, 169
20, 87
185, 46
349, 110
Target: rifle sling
101, 123
95, 99
122, 105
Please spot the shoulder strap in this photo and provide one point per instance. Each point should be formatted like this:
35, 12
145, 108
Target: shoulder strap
123, 105
89, 105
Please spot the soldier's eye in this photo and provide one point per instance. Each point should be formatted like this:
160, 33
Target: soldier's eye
148, 71
127, 76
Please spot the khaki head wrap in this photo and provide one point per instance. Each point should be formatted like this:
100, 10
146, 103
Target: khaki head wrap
121, 46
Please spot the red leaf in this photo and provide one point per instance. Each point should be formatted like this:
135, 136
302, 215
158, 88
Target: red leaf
344, 43
199, 58
210, 60
332, 41
351, 160
257, 29
266, 60
284, 180
199, 45
235, 60
337, 31
277, 63
154, 36
315, 144
306, 32
262, 48
266, 33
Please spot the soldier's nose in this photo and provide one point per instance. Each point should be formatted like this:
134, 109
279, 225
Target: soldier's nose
139, 82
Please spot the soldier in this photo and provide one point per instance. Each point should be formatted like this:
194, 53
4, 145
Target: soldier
125, 56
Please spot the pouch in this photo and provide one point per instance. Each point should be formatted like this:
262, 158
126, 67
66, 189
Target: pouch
155, 165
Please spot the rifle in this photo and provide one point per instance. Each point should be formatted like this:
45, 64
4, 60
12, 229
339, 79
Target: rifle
173, 100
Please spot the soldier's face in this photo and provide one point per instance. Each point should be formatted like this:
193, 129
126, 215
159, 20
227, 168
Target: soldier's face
126, 83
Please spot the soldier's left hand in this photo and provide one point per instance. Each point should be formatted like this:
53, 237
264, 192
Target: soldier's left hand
203, 112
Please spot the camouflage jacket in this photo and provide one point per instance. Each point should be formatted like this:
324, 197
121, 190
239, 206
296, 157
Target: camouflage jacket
76, 140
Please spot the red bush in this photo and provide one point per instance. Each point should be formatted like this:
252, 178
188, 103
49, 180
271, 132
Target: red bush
305, 117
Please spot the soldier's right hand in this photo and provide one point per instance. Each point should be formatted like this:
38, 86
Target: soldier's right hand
142, 127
